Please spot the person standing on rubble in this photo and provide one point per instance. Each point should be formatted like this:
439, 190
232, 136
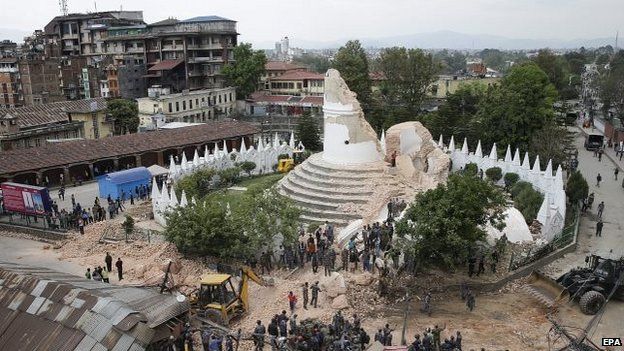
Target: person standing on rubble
108, 259
305, 296
292, 301
119, 265
315, 291
258, 336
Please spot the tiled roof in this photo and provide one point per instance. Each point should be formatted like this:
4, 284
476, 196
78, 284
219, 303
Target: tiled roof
90, 150
287, 99
43, 309
299, 75
165, 65
165, 22
40, 115
206, 19
281, 66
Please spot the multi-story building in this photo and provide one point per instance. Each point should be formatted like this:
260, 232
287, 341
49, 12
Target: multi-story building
40, 80
189, 106
275, 69
10, 87
297, 83
84, 34
124, 79
34, 126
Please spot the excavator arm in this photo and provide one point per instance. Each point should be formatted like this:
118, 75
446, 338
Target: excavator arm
248, 274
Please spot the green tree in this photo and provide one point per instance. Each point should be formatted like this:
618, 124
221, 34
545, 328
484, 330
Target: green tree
352, 63
246, 70
409, 73
554, 66
494, 174
528, 202
509, 114
576, 188
443, 224
316, 63
511, 179
308, 133
551, 142
196, 184
125, 113
456, 115
237, 231
247, 167
612, 87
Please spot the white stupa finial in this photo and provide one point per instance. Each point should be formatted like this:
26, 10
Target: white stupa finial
243, 148
544, 210
493, 153
516, 158
196, 158
452, 144
155, 191
260, 146
184, 162
441, 142
525, 162
508, 155
464, 149
536, 165
183, 201
291, 141
216, 152
382, 141
479, 152
174, 199
225, 148
548, 171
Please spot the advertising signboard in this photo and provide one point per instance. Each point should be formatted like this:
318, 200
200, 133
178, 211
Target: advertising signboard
26, 199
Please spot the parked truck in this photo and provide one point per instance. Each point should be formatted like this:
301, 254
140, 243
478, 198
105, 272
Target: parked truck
594, 142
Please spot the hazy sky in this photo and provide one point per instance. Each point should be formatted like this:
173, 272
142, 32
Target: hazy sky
327, 20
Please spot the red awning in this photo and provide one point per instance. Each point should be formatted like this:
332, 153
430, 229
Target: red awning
165, 65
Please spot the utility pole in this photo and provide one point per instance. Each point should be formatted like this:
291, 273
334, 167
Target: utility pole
63, 6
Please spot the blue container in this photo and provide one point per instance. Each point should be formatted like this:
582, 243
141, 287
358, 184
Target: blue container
115, 183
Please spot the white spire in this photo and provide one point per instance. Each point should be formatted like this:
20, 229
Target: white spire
479, 152
164, 195
155, 191
260, 146
172, 166
516, 158
196, 158
225, 148
183, 201
464, 149
536, 165
174, 199
452, 144
383, 142
216, 152
243, 148
508, 155
206, 153
559, 175
183, 165
544, 211
276, 141
441, 142
548, 173
291, 142
525, 162
493, 153
193, 200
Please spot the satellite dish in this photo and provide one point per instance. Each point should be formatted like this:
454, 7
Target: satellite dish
181, 298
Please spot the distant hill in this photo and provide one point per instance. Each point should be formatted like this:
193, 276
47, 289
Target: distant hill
15, 35
453, 40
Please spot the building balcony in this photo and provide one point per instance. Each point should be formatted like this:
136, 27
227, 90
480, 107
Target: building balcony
215, 46
173, 48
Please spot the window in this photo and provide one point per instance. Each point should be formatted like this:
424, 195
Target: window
177, 106
214, 99
197, 102
184, 105
231, 97
190, 104
170, 108
219, 98
203, 99
37, 142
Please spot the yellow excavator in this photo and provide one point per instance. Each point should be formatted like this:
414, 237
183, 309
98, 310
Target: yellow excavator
219, 302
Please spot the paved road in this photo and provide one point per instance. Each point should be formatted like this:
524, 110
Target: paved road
29, 252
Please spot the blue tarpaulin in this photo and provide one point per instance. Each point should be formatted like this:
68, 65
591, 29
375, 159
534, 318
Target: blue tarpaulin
115, 183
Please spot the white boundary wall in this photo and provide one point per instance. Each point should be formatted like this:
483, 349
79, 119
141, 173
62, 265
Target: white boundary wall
553, 210
265, 158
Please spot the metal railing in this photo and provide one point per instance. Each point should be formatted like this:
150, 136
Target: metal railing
566, 237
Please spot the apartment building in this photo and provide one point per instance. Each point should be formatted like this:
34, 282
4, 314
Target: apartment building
11, 94
189, 106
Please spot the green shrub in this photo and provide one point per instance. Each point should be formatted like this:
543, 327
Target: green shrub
247, 166
471, 169
196, 184
519, 187
528, 202
494, 174
577, 188
511, 179
230, 176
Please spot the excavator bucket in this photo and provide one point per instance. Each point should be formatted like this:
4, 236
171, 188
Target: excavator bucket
545, 290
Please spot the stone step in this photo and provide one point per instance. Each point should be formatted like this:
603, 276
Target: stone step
294, 189
330, 215
308, 168
317, 161
335, 183
304, 201
309, 186
316, 219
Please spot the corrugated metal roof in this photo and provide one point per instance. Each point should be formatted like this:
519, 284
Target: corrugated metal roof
43, 309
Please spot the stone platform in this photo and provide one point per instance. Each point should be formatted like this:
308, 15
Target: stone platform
336, 193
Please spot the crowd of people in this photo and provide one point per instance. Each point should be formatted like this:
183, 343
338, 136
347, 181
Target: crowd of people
431, 340
101, 274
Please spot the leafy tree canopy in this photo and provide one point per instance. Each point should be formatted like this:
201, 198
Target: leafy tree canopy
443, 224
308, 132
246, 71
126, 115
